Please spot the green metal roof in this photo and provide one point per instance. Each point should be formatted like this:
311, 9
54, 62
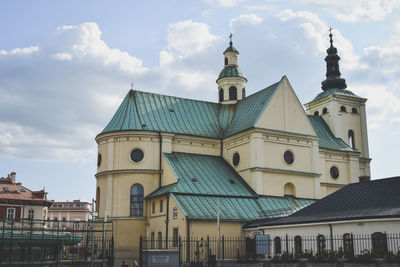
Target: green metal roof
282, 206
326, 138
238, 208
230, 71
155, 112
202, 174
40, 239
334, 92
161, 113
249, 110
203, 181
231, 48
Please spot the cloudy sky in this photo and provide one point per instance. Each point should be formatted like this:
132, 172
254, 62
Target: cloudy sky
66, 65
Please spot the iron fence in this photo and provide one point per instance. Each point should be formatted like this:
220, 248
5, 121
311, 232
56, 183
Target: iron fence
210, 250
50, 242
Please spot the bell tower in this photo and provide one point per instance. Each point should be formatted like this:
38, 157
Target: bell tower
342, 110
231, 81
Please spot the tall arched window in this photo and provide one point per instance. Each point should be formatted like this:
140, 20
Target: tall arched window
243, 93
221, 95
348, 244
226, 61
379, 241
97, 200
152, 240
136, 200
277, 245
159, 239
351, 139
297, 244
321, 244
232, 93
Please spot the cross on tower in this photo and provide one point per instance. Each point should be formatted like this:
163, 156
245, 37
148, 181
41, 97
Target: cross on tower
330, 35
132, 86
230, 37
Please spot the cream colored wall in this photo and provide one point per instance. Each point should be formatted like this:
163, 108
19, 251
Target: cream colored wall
202, 229
262, 164
346, 162
179, 222
274, 183
196, 145
285, 112
168, 175
127, 232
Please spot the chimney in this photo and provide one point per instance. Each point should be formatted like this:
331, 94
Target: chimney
364, 179
12, 176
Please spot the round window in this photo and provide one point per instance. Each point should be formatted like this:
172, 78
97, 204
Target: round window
137, 155
98, 160
289, 157
334, 172
236, 159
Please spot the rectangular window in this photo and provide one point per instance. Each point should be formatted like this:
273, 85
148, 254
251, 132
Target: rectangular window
175, 237
153, 207
161, 205
175, 213
31, 214
10, 213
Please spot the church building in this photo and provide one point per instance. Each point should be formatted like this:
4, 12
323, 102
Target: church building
169, 166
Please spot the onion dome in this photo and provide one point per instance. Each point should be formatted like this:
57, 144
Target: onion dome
333, 79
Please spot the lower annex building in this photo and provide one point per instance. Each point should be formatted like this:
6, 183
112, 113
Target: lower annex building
165, 164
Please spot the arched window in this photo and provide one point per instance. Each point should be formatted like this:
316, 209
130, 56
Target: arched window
343, 109
321, 244
351, 139
152, 240
348, 244
232, 93
316, 113
221, 95
159, 239
297, 244
136, 200
277, 245
354, 110
226, 61
324, 110
289, 190
379, 242
243, 93
97, 199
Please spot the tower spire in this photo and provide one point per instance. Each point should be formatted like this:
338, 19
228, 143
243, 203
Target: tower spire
333, 79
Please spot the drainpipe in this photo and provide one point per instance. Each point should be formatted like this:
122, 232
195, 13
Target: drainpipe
188, 239
331, 234
159, 175
222, 148
166, 223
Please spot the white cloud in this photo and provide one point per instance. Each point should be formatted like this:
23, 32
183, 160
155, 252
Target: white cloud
247, 18
317, 30
188, 37
224, 3
16, 51
357, 10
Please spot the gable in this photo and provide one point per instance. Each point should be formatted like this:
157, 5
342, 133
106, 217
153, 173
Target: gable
248, 110
285, 112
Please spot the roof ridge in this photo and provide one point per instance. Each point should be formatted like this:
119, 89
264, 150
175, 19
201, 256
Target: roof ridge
172, 96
